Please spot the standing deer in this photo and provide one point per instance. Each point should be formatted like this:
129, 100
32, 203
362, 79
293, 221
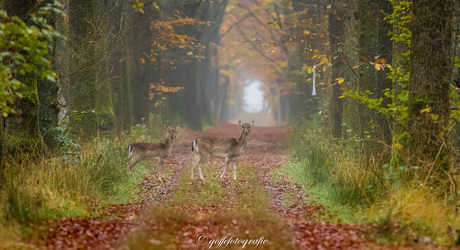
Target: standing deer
228, 148
150, 151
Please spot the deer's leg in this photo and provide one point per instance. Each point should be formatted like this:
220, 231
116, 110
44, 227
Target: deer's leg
234, 169
131, 164
199, 169
227, 162
195, 162
160, 168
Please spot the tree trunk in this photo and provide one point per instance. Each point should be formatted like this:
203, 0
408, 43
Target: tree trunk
48, 96
368, 12
139, 73
336, 33
83, 118
104, 49
385, 50
430, 67
114, 31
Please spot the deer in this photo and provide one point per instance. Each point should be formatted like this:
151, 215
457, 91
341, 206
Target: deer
151, 151
229, 149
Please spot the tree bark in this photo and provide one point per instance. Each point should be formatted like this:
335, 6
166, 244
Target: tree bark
385, 50
430, 68
83, 118
336, 33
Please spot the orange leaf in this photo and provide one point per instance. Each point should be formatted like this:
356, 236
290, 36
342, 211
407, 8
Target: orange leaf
381, 61
143, 60
364, 58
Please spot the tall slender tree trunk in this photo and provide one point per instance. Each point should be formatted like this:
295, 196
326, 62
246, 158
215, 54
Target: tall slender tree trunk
114, 31
48, 96
83, 118
336, 33
368, 12
385, 50
430, 67
138, 70
104, 49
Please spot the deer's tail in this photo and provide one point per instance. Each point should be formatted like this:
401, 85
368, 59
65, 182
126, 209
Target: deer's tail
194, 145
130, 150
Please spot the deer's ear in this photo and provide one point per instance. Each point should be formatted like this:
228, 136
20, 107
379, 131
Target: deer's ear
239, 122
167, 128
177, 127
251, 124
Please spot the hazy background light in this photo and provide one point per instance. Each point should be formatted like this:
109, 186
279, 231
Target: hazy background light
253, 97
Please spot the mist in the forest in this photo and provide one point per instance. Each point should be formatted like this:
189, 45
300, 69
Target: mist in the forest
253, 97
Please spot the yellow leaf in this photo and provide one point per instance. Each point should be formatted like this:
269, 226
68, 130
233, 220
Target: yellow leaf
398, 146
341, 96
190, 53
425, 110
339, 80
378, 66
231, 102
142, 60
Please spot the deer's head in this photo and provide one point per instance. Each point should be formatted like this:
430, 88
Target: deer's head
246, 127
172, 131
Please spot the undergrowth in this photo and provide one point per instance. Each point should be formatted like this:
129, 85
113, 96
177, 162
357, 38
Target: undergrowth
78, 181
369, 191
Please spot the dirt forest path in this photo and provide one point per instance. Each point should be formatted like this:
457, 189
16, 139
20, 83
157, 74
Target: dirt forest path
256, 210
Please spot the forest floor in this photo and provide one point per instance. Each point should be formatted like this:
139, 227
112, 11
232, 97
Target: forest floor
259, 209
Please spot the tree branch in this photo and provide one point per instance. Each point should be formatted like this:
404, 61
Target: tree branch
252, 44
231, 27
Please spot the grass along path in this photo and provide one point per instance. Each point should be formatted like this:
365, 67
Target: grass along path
263, 204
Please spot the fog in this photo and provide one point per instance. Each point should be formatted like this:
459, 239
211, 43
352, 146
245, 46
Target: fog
253, 97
